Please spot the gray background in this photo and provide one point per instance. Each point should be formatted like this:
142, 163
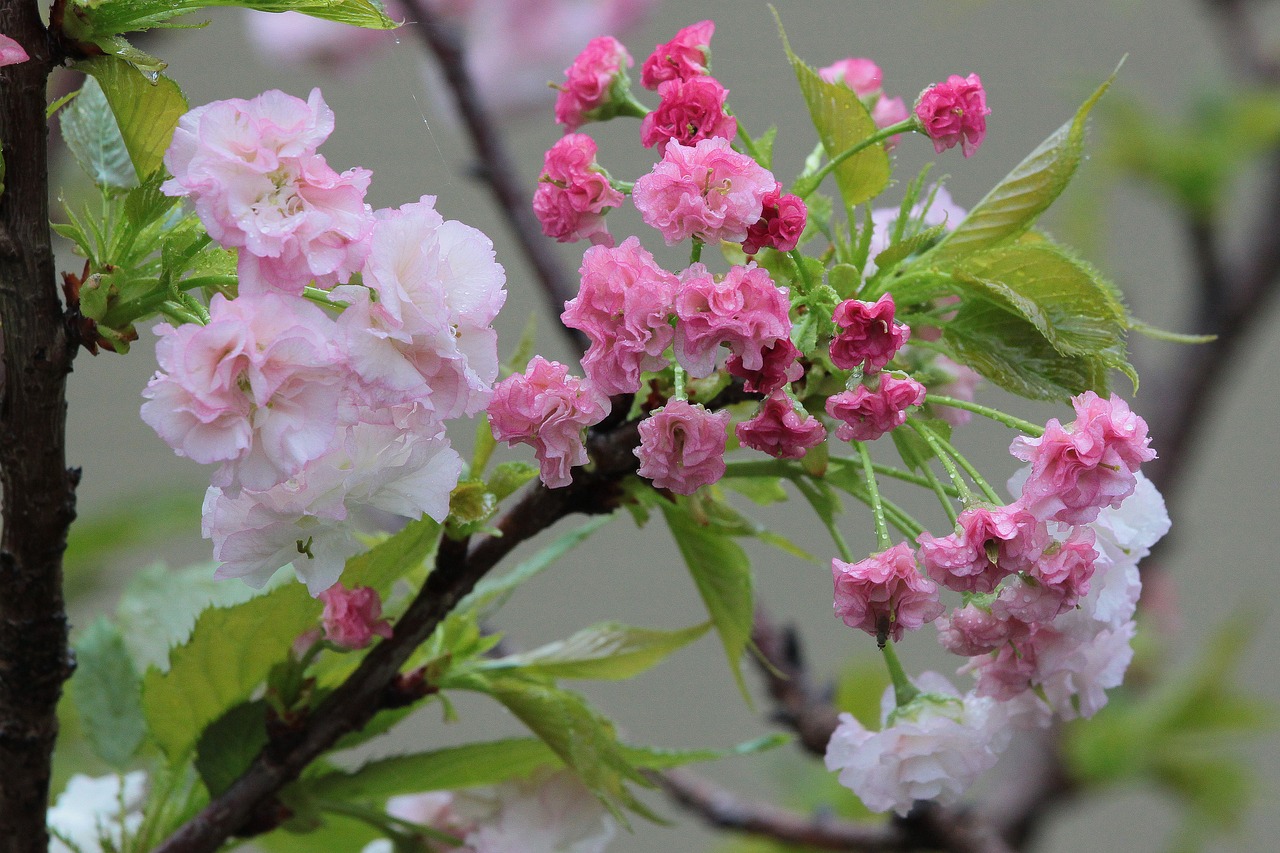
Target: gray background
1037, 60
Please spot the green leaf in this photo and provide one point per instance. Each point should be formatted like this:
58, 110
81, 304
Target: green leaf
92, 136
762, 491
908, 246
229, 745
205, 679
492, 588
609, 651
1015, 203
842, 122
107, 693
722, 573
97, 20
845, 279
764, 147
652, 758
147, 111
409, 550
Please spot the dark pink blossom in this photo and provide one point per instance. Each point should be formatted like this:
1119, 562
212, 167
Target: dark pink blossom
992, 544
1091, 463
954, 112
885, 595
781, 365
744, 310
707, 191
1054, 583
782, 221
1012, 670
352, 616
861, 75
683, 58
869, 413
971, 630
682, 446
780, 430
690, 110
866, 334
589, 82
11, 53
574, 193
624, 307
547, 409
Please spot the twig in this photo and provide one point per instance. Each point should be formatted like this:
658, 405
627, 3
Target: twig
496, 165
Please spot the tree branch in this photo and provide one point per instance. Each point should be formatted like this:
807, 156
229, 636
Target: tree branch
39, 491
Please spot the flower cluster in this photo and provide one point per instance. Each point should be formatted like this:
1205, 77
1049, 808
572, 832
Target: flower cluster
315, 414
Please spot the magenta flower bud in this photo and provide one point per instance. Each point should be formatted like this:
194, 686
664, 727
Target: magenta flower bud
781, 365
778, 429
690, 110
588, 93
869, 414
683, 58
866, 334
351, 617
954, 112
782, 221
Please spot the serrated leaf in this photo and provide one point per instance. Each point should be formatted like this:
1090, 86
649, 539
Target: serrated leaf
842, 121
509, 477
229, 744
845, 279
92, 136
1015, 203
205, 679
146, 111
722, 573
905, 248
608, 651
396, 556
107, 693
764, 147
492, 588
95, 20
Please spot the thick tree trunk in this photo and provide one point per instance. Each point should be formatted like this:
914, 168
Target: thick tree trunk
39, 491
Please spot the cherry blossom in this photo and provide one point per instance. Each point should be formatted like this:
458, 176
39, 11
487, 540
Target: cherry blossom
690, 110
868, 413
780, 430
885, 594
954, 112
683, 58
682, 446
744, 310
574, 193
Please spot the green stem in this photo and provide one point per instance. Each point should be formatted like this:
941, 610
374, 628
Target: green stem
966, 494
695, 254
819, 176
804, 273
679, 393
762, 468
811, 495
748, 143
903, 690
977, 478
873, 491
941, 491
1033, 430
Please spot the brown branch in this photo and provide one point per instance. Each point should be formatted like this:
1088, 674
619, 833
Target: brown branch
496, 165
796, 704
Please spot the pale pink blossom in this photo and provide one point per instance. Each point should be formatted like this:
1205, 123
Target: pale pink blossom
954, 112
547, 409
888, 112
962, 384
11, 53
860, 74
353, 617
707, 191
745, 310
866, 334
780, 430
574, 193
685, 57
992, 544
682, 446
588, 91
781, 364
624, 307
930, 749
885, 594
868, 413
690, 110
546, 813
782, 221
1088, 464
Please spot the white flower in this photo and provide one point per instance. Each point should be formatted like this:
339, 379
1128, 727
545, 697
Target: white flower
89, 810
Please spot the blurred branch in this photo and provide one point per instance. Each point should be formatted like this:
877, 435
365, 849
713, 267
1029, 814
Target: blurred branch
495, 164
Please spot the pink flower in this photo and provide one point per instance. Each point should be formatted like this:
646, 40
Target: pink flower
885, 594
547, 409
683, 58
1091, 463
745, 310
861, 75
11, 53
588, 91
782, 220
869, 414
954, 112
624, 307
971, 631
691, 110
991, 545
707, 191
866, 334
778, 429
352, 617
962, 385
781, 365
682, 446
574, 193
888, 112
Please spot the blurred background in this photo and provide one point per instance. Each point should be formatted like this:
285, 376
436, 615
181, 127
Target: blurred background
1038, 60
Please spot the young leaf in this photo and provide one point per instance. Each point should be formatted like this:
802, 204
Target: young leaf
393, 558
1015, 203
607, 651
842, 122
229, 745
147, 111
107, 693
204, 680
722, 573
92, 136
